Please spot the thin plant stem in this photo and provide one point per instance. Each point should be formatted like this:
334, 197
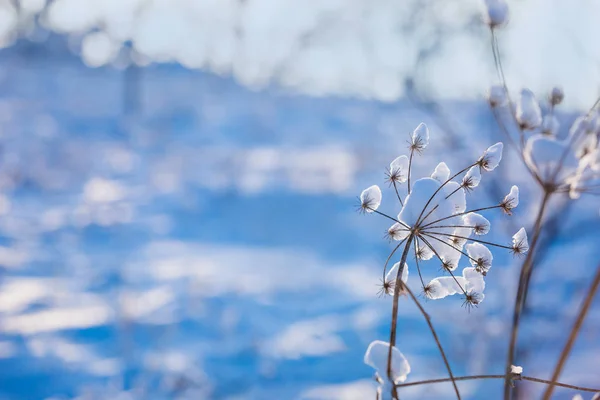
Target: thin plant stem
398, 194
395, 309
390, 256
435, 337
412, 151
564, 354
526, 271
475, 377
469, 239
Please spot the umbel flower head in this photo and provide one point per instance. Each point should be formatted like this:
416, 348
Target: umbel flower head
434, 223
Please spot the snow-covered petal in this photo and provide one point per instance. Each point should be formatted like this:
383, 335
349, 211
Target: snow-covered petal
391, 275
491, 157
399, 169
515, 369
550, 125
458, 197
511, 200
529, 113
543, 153
420, 137
480, 225
480, 256
376, 357
370, 198
443, 286
398, 232
472, 177
424, 251
497, 96
520, 243
450, 253
496, 12
475, 281
441, 172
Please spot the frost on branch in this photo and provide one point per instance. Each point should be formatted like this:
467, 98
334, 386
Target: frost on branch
377, 357
370, 199
529, 113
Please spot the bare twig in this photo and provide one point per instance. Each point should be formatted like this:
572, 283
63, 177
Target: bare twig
574, 332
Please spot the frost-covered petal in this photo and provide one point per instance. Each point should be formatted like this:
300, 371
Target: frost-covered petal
472, 177
491, 157
480, 256
479, 224
424, 251
550, 125
520, 243
457, 196
441, 173
543, 153
443, 286
515, 369
475, 281
398, 232
420, 137
496, 12
529, 113
399, 169
391, 275
370, 198
376, 357
497, 96
511, 200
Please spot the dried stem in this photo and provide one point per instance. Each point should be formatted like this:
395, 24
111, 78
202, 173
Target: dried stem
474, 377
435, 337
526, 271
574, 332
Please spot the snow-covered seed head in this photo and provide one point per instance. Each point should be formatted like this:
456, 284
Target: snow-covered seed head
477, 222
472, 178
376, 356
480, 257
556, 96
529, 113
497, 96
491, 157
386, 288
516, 372
511, 200
550, 125
472, 299
398, 170
419, 138
520, 244
496, 13
396, 232
370, 199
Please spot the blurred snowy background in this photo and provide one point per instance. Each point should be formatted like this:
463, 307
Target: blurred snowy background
178, 183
